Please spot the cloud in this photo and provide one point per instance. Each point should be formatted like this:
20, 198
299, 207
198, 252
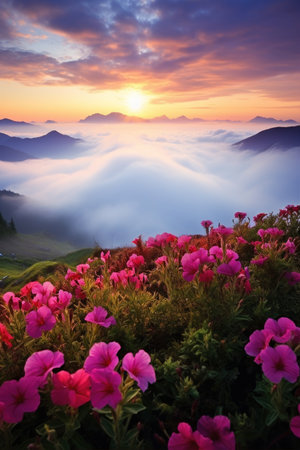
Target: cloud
148, 182
202, 49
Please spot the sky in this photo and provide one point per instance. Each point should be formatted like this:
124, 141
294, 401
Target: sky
214, 59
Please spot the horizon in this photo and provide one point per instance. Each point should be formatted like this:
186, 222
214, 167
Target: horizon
149, 58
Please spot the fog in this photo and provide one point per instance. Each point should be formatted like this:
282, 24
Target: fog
144, 179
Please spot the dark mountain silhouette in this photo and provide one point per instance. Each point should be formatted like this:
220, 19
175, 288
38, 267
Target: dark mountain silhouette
116, 117
12, 155
51, 145
270, 120
281, 138
8, 123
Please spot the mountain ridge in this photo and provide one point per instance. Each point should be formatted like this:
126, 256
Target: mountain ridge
282, 138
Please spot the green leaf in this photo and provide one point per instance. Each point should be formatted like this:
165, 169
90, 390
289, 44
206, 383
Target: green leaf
107, 427
133, 408
271, 418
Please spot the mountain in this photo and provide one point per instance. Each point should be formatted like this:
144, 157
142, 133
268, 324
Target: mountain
8, 123
282, 138
51, 145
12, 155
269, 120
116, 117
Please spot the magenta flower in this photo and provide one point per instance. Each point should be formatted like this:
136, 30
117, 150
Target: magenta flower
102, 356
98, 316
40, 364
282, 329
280, 362
139, 368
63, 300
241, 240
105, 256
259, 217
240, 215
42, 292
161, 240
161, 260
10, 298
187, 439
216, 251
218, 430
223, 231
38, 321
293, 278
259, 261
206, 224
71, 389
191, 262
295, 424
135, 261
19, 397
229, 269
258, 341
183, 240
105, 388
82, 268
230, 254
206, 276
290, 246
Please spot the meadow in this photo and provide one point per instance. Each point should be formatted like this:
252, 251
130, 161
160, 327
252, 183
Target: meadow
180, 342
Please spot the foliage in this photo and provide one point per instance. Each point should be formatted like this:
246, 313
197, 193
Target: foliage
170, 326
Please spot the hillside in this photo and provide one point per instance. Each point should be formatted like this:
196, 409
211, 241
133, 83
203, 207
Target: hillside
282, 138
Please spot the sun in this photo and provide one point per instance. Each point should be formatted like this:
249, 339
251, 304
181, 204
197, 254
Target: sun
135, 100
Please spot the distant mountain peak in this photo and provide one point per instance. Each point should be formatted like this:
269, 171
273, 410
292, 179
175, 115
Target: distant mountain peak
264, 120
281, 138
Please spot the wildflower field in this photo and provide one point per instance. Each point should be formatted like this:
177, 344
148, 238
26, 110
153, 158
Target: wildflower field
179, 343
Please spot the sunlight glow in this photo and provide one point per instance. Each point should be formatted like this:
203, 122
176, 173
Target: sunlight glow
135, 100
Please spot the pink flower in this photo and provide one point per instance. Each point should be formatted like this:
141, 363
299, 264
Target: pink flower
43, 292
259, 217
161, 260
295, 423
161, 240
71, 389
282, 329
293, 278
139, 368
191, 263
135, 261
5, 336
258, 341
240, 215
105, 388
63, 300
102, 356
40, 364
38, 321
98, 316
19, 397
216, 251
218, 430
105, 256
206, 276
259, 261
229, 269
261, 233
10, 298
187, 439
183, 240
241, 240
290, 246
82, 268
230, 254
206, 224
274, 232
223, 231
280, 362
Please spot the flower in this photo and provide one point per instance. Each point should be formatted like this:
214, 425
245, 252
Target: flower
290, 246
259, 261
206, 224
191, 263
71, 389
206, 276
223, 231
10, 298
5, 336
161, 260
161, 240
258, 341
105, 256
135, 261
240, 215
281, 329
292, 278
98, 316
42, 292
41, 363
241, 240
259, 217
229, 269
187, 439
105, 388
280, 362
183, 240
102, 356
63, 300
218, 430
139, 368
19, 397
295, 423
38, 321
216, 251
82, 268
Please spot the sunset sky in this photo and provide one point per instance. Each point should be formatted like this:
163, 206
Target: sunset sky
214, 59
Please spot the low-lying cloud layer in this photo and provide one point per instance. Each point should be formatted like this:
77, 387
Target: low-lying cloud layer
147, 180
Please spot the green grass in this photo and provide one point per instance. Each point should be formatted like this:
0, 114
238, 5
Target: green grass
77, 257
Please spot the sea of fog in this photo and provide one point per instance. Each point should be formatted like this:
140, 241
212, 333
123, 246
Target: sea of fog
144, 179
